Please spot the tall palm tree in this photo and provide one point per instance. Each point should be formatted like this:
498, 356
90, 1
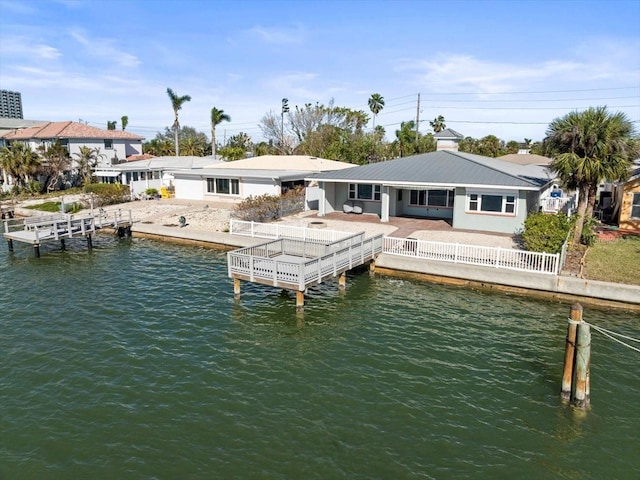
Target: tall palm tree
217, 117
438, 124
376, 104
19, 162
176, 104
124, 121
588, 147
406, 138
56, 162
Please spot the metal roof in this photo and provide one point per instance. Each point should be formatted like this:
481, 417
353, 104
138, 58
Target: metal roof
445, 168
242, 173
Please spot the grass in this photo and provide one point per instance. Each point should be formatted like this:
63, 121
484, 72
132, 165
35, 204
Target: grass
617, 261
54, 207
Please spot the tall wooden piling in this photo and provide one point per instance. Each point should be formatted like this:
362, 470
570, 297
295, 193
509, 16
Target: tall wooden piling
299, 300
342, 281
583, 363
10, 245
372, 268
575, 317
236, 288
89, 242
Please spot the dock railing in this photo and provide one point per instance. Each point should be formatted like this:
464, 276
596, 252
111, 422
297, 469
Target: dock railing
505, 258
276, 230
261, 262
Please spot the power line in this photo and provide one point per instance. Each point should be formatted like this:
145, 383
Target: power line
524, 108
538, 92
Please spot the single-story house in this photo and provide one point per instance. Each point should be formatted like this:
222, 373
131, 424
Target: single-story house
151, 172
114, 145
266, 174
627, 202
470, 191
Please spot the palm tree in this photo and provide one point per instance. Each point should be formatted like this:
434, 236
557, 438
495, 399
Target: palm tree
111, 124
19, 162
56, 163
406, 138
124, 121
86, 161
376, 104
438, 124
217, 117
176, 104
588, 147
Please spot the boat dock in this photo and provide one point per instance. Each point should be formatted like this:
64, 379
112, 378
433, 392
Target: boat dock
60, 226
296, 264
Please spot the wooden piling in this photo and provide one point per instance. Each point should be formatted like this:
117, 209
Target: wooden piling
63, 245
575, 317
236, 288
583, 363
36, 250
372, 268
299, 300
89, 242
10, 245
342, 281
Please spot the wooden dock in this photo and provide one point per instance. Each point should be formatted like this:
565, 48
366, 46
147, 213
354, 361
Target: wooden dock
295, 264
60, 226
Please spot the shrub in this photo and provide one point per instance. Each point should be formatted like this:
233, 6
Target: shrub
152, 192
546, 233
265, 208
108, 193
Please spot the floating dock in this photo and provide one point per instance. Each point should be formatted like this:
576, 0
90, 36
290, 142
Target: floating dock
295, 264
60, 226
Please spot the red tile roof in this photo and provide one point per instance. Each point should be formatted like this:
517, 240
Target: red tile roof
68, 130
143, 156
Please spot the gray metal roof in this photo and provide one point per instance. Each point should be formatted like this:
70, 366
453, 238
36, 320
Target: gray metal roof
165, 163
242, 173
445, 168
447, 133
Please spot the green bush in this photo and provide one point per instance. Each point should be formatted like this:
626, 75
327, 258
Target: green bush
152, 192
546, 233
108, 193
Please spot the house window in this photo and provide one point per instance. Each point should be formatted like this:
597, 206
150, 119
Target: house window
432, 198
635, 206
108, 144
364, 191
491, 203
223, 186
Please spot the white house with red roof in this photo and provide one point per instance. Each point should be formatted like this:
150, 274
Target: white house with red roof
114, 145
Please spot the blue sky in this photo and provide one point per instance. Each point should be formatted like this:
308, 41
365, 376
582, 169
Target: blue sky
489, 67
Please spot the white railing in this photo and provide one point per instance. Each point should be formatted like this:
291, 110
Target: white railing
505, 258
557, 204
276, 230
261, 262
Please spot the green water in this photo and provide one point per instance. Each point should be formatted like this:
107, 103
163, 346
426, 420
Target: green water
134, 362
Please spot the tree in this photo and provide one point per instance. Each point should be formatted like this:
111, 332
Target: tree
376, 104
86, 161
588, 147
19, 162
124, 121
176, 104
56, 163
438, 124
217, 117
406, 138
191, 140
241, 140
111, 125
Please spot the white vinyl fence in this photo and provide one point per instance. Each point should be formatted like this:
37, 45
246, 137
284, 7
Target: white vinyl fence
276, 230
511, 259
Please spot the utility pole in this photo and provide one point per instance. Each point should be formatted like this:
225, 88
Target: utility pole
418, 117
285, 109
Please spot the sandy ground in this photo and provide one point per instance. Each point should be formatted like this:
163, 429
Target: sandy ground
215, 217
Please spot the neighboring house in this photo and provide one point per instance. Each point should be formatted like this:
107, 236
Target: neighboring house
470, 191
151, 172
267, 174
9, 124
627, 202
114, 145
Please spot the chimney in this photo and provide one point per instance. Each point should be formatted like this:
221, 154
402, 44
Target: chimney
447, 139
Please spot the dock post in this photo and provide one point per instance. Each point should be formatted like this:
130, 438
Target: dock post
36, 249
583, 362
575, 317
299, 300
342, 281
10, 245
372, 268
89, 242
63, 245
236, 288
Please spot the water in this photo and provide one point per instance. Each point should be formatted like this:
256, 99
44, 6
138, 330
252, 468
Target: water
134, 361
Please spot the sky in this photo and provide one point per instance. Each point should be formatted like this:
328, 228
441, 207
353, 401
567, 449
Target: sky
505, 68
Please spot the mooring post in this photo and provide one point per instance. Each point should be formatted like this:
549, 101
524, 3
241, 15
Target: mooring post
36, 250
89, 242
583, 362
299, 300
236, 288
10, 245
575, 317
63, 245
372, 268
342, 281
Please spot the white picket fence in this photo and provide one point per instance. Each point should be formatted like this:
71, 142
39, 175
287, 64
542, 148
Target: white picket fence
506, 258
277, 230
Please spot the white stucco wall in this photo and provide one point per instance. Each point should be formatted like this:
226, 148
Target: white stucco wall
489, 222
189, 188
254, 187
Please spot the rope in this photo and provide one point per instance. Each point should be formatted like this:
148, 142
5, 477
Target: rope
617, 334
604, 332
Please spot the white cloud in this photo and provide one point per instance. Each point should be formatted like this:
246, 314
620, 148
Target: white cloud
278, 36
26, 48
104, 48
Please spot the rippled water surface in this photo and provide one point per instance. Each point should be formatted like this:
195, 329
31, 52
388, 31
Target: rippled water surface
134, 361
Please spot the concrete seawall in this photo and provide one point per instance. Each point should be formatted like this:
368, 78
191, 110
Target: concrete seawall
562, 288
